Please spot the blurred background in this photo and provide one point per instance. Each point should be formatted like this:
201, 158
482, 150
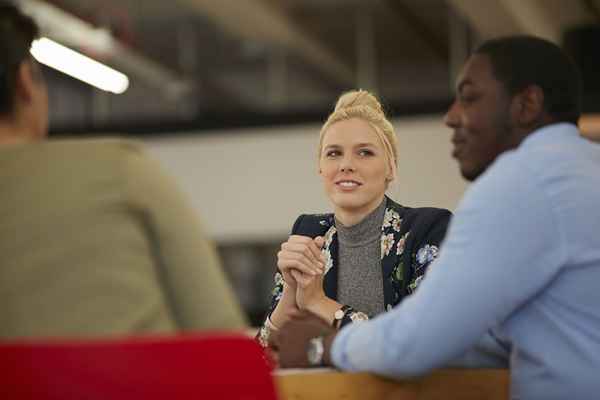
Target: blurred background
230, 95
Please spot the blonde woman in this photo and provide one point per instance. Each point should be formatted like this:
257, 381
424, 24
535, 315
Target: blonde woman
371, 252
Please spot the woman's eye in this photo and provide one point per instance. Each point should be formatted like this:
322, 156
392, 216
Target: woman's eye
332, 153
365, 153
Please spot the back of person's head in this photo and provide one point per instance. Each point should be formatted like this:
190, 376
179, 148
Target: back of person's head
521, 61
17, 32
364, 105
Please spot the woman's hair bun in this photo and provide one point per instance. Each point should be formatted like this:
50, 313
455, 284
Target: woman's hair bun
358, 98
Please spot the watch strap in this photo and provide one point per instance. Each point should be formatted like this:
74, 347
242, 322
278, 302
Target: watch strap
350, 316
339, 316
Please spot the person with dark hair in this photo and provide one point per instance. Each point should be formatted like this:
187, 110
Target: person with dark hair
540, 64
524, 239
22, 86
95, 238
517, 63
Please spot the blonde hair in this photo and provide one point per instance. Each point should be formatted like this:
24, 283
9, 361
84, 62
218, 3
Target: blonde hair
364, 105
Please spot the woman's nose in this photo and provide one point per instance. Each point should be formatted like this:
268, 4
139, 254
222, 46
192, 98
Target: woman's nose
347, 165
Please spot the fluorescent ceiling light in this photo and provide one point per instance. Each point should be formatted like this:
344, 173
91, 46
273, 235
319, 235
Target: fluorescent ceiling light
79, 66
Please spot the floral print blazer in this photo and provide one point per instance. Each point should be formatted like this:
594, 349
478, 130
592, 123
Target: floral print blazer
410, 240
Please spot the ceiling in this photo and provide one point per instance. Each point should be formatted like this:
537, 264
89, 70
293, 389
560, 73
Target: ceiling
206, 64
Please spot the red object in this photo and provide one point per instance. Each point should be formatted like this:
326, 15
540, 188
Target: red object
219, 366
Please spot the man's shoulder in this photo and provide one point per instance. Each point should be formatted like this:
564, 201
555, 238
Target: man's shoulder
513, 176
543, 151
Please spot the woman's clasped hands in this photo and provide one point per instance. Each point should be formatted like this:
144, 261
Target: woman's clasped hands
302, 265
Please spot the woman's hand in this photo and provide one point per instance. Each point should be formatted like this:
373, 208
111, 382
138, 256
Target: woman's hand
286, 307
300, 253
309, 289
310, 295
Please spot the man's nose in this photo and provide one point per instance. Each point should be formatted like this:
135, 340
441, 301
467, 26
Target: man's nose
451, 118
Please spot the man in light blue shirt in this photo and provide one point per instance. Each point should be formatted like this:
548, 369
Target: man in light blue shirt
520, 266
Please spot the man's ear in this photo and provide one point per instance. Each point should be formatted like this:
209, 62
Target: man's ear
529, 106
24, 82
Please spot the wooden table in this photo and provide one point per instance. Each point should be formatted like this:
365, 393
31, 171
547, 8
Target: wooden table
445, 384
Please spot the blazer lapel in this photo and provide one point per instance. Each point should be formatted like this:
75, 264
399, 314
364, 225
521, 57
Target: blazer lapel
390, 251
330, 251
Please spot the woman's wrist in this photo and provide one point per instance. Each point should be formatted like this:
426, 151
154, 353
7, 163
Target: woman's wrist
286, 306
288, 297
323, 307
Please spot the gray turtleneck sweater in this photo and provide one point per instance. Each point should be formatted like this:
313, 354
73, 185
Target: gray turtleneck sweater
360, 282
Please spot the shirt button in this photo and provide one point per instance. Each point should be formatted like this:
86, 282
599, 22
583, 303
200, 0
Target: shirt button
389, 307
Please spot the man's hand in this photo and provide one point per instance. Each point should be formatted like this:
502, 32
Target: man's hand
294, 336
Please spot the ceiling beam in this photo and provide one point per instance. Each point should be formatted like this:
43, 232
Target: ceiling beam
264, 22
428, 36
593, 8
544, 18
547, 18
488, 18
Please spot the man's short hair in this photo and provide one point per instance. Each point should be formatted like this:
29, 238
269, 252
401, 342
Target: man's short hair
17, 32
520, 61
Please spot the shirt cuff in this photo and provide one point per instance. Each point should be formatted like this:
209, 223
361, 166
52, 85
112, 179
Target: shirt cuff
339, 354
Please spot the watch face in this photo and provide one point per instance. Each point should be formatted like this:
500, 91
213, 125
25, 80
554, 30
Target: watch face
339, 314
315, 351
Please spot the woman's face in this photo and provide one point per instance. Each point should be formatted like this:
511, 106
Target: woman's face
353, 166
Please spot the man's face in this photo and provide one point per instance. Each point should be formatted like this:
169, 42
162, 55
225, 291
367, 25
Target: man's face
480, 118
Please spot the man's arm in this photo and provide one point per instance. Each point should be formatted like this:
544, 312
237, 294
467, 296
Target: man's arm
503, 246
488, 352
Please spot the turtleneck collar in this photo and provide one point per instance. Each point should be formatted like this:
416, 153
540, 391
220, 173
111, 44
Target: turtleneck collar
366, 231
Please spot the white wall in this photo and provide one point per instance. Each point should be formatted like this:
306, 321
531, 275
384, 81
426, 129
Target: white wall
251, 184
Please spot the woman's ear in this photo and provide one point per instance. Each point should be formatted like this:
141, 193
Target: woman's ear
391, 174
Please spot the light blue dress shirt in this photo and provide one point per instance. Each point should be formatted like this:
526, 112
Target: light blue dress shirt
521, 260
